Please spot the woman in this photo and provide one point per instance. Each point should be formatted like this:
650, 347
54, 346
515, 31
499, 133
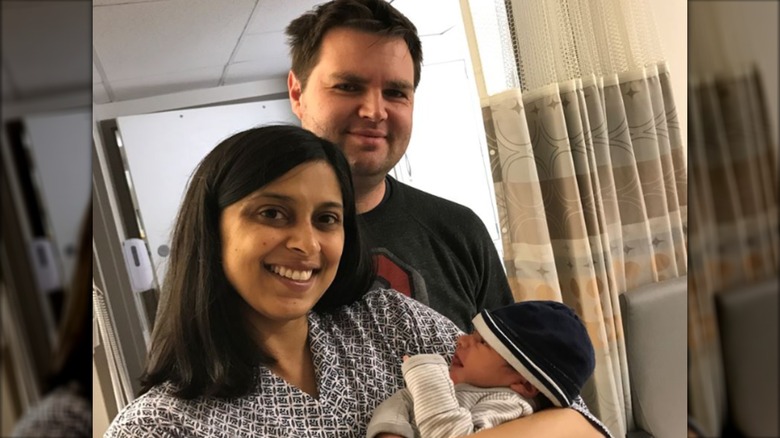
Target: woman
265, 327
66, 410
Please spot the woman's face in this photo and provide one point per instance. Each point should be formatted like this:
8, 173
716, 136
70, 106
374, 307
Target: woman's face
281, 244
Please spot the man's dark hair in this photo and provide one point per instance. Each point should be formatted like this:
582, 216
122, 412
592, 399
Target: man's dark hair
201, 342
378, 17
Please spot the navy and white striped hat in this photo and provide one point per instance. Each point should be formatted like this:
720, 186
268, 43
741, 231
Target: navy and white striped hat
545, 342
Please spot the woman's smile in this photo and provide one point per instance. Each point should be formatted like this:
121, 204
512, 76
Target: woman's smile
294, 227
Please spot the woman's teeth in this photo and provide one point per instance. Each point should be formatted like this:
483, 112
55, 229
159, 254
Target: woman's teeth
291, 273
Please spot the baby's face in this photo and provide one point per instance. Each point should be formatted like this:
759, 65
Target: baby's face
477, 363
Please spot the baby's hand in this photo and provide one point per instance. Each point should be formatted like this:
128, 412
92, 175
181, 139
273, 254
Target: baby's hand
405, 358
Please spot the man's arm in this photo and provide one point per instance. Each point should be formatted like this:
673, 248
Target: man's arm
494, 290
549, 423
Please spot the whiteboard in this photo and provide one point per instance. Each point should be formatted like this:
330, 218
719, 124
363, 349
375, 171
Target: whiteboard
163, 149
60, 148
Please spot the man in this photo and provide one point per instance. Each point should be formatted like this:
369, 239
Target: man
355, 66
353, 82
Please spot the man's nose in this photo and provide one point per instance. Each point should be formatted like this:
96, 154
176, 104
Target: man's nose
373, 107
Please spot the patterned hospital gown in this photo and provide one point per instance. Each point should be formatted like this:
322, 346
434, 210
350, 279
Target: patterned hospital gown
357, 356
61, 413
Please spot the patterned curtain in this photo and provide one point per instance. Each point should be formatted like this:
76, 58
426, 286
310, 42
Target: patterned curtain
734, 223
589, 169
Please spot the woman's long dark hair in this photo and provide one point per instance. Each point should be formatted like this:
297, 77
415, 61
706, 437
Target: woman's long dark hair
74, 349
200, 342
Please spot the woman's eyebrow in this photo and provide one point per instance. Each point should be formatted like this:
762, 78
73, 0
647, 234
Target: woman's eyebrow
273, 195
291, 200
332, 204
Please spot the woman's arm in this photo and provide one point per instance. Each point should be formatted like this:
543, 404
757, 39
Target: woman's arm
549, 423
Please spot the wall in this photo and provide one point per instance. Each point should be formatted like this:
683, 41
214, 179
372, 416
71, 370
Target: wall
751, 28
671, 18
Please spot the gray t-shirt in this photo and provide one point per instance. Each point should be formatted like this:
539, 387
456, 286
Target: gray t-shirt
437, 252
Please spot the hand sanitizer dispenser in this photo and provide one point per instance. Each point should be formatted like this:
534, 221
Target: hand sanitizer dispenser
139, 267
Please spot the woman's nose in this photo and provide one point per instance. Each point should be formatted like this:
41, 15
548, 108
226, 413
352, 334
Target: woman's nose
303, 239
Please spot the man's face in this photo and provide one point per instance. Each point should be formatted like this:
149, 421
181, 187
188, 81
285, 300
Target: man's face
360, 95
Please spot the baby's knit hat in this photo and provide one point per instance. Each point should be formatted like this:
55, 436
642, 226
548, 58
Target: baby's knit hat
544, 341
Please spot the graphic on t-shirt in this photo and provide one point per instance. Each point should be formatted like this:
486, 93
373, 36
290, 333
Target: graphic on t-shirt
392, 273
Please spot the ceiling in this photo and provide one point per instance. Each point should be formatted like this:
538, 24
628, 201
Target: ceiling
143, 48
44, 48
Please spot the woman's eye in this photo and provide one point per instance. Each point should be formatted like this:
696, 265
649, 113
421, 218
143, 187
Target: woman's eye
330, 219
271, 213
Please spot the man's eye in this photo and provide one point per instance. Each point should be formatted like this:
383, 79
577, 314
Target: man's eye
396, 94
346, 87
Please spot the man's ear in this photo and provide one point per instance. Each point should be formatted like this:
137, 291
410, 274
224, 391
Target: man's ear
295, 90
524, 388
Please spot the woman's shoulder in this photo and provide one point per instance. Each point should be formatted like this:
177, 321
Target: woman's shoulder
398, 305
394, 314
392, 305
154, 413
61, 411
380, 297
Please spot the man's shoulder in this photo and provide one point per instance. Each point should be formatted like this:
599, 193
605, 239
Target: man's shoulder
423, 204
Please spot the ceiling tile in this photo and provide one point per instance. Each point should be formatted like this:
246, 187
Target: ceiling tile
252, 71
264, 46
429, 16
45, 46
7, 87
270, 17
96, 78
164, 37
99, 94
136, 88
168, 44
121, 2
